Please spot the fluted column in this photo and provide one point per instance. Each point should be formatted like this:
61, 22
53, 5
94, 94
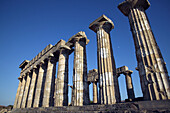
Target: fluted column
25, 96
17, 95
95, 94
152, 69
80, 85
32, 88
48, 99
129, 85
108, 81
37, 99
61, 95
21, 92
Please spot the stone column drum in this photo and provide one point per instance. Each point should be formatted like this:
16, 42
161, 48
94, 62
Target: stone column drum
152, 68
129, 85
25, 96
108, 81
21, 92
95, 94
39, 85
17, 95
61, 94
49, 87
32, 88
80, 85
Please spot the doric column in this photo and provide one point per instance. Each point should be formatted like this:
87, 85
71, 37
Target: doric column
152, 69
129, 85
80, 85
61, 94
95, 94
32, 88
108, 81
21, 92
37, 99
48, 99
17, 95
25, 96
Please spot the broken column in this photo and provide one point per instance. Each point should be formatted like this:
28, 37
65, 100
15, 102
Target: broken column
93, 78
152, 68
61, 94
32, 87
108, 81
129, 84
80, 85
95, 95
48, 95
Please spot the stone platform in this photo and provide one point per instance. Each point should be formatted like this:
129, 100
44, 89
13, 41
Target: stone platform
162, 106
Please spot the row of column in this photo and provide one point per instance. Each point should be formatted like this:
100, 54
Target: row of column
152, 68
37, 87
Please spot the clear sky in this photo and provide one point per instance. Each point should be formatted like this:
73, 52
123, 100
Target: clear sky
28, 26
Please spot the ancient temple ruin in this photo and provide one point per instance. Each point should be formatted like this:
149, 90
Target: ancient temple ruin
38, 86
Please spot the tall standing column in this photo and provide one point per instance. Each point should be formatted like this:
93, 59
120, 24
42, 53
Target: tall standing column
32, 88
48, 99
21, 92
39, 85
152, 69
17, 95
80, 85
108, 81
95, 94
129, 85
61, 95
25, 96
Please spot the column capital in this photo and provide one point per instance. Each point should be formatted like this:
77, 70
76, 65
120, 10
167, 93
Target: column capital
102, 22
80, 36
128, 72
125, 6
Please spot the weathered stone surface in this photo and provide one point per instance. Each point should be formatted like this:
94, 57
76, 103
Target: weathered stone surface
27, 87
61, 94
32, 88
48, 96
108, 81
21, 93
129, 107
17, 95
80, 85
39, 86
152, 68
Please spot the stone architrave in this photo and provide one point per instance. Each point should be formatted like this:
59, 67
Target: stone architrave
37, 98
129, 85
108, 81
21, 92
61, 94
27, 87
152, 68
32, 88
80, 85
17, 95
48, 99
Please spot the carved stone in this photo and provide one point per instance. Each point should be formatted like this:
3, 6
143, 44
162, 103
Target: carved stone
61, 95
80, 85
109, 88
152, 68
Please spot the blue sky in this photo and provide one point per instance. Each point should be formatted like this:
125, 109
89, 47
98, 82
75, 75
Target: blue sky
28, 26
